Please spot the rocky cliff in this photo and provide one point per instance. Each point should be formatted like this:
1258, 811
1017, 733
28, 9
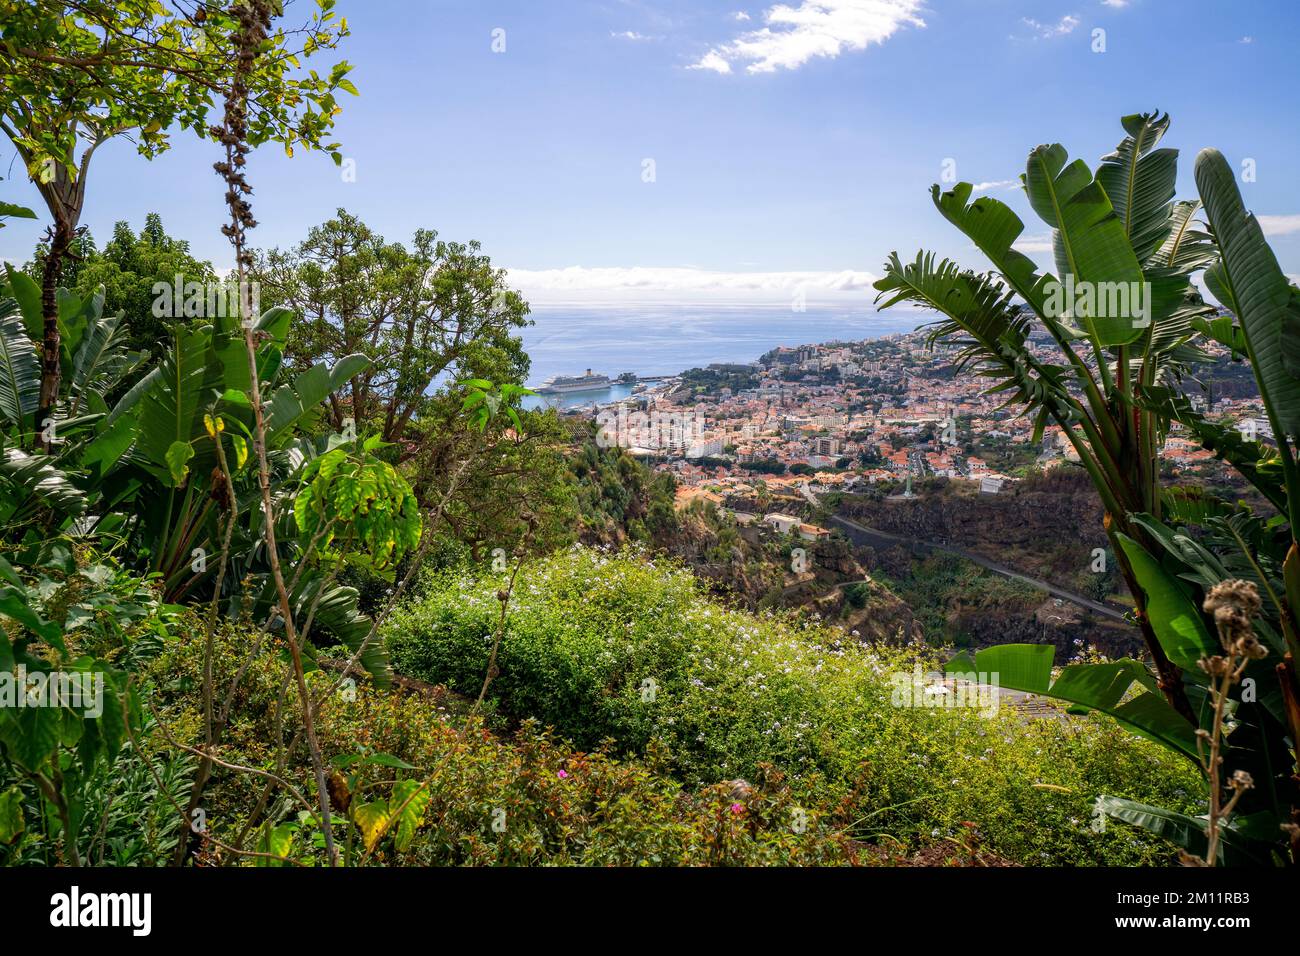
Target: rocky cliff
1045, 526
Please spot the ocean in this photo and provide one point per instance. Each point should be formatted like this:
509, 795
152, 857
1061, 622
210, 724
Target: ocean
666, 340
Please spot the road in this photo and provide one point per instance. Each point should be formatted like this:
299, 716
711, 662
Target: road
861, 534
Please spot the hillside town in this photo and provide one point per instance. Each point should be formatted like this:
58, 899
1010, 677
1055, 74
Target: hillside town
846, 416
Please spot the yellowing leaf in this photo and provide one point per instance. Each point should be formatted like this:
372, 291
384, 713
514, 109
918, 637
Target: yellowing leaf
178, 456
372, 818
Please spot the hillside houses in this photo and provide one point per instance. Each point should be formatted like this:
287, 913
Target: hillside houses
855, 415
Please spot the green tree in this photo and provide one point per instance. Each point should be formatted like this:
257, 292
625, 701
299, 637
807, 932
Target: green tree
80, 73
435, 311
128, 268
516, 473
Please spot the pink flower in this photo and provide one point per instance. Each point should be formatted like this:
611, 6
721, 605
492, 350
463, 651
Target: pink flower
737, 808
563, 774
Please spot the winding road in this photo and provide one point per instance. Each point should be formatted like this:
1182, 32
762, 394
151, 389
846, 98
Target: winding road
861, 534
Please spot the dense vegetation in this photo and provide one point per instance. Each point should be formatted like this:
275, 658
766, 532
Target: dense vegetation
288, 577
619, 651
942, 589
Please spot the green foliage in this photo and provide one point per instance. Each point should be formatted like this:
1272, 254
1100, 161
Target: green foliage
77, 631
711, 381
484, 401
857, 594
359, 502
618, 496
146, 473
10, 210
93, 354
730, 691
1123, 290
495, 475
103, 69
521, 799
942, 588
20, 368
438, 308
129, 270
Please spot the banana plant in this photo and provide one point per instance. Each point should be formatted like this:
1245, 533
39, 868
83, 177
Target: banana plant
93, 354
201, 380
146, 470
1178, 549
96, 360
1122, 689
20, 371
1172, 582
1119, 311
1262, 327
1247, 279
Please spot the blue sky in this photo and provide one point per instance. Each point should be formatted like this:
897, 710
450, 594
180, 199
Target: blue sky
791, 143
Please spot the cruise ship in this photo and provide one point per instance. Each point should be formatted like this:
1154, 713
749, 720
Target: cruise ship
559, 384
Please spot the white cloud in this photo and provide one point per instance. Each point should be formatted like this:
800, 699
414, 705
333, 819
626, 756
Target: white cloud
629, 35
740, 15
650, 283
995, 184
1246, 40
1047, 31
1117, 4
1279, 225
1038, 242
794, 35
711, 61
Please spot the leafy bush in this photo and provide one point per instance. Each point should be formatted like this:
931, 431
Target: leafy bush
529, 799
618, 647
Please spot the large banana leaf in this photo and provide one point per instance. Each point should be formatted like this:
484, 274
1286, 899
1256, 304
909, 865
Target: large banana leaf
1186, 248
1108, 688
102, 359
1242, 532
976, 304
994, 228
1248, 280
1236, 849
1173, 615
30, 477
103, 451
202, 363
339, 613
28, 296
1140, 180
987, 329
1089, 238
72, 314
1224, 330
74, 319
20, 368
1173, 303
297, 402
337, 619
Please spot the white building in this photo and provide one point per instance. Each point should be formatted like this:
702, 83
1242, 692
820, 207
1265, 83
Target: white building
783, 524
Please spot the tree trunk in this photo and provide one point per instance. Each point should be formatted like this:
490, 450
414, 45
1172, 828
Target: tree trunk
60, 242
